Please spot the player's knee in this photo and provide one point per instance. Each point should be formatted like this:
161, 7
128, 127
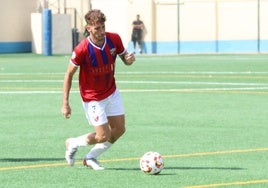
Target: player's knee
102, 138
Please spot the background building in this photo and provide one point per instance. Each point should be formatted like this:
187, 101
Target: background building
171, 26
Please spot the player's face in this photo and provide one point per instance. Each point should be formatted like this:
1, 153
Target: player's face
97, 32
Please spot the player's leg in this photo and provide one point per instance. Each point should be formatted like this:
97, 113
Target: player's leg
96, 116
116, 116
117, 124
72, 145
102, 134
116, 121
101, 137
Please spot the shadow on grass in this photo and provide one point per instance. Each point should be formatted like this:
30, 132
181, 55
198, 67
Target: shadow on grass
119, 169
205, 168
186, 168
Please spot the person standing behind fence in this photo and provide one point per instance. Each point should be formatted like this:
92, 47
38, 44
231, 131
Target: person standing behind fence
137, 31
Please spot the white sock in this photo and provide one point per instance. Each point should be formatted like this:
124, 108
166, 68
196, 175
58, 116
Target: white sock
79, 141
98, 149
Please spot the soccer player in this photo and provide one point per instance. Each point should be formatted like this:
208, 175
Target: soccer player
95, 56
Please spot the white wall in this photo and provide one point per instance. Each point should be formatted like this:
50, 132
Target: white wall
15, 20
36, 30
199, 20
237, 20
116, 16
61, 34
264, 19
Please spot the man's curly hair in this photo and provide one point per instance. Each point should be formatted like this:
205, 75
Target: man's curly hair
93, 17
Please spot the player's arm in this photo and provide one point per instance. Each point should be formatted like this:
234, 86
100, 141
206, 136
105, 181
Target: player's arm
67, 84
127, 58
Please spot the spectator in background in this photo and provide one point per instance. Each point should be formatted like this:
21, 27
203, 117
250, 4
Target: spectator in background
137, 31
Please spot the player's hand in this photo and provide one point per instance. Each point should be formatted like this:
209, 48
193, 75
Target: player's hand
129, 58
66, 111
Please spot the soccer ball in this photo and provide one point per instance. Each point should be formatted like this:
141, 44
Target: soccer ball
151, 163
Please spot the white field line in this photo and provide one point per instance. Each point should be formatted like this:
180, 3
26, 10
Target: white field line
144, 82
192, 83
194, 89
147, 90
34, 92
151, 72
33, 81
194, 72
247, 86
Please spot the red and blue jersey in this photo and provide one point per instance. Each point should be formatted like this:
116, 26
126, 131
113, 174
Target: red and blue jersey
97, 66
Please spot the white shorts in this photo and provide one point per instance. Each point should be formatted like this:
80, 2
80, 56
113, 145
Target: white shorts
98, 111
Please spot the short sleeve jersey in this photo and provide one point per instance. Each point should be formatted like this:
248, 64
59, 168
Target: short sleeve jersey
97, 66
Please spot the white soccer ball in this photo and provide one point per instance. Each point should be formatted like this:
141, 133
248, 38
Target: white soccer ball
151, 163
